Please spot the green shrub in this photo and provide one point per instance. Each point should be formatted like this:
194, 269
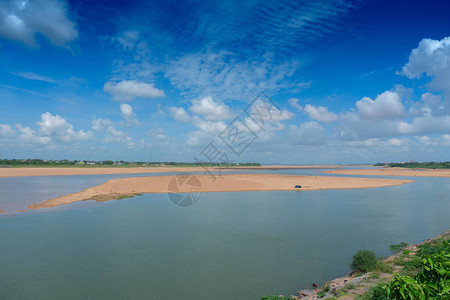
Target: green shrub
395, 248
363, 261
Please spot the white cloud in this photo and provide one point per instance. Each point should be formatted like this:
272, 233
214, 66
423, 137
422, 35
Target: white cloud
6, 131
29, 135
294, 103
55, 127
209, 126
34, 76
179, 114
222, 76
128, 39
99, 125
23, 20
431, 57
211, 109
128, 115
127, 90
309, 133
387, 105
320, 113
157, 134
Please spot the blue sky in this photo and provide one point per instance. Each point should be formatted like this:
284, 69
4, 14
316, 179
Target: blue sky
353, 81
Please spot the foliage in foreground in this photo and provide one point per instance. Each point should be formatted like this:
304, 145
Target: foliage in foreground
364, 261
433, 282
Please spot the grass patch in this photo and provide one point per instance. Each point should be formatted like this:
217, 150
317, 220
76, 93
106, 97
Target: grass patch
383, 267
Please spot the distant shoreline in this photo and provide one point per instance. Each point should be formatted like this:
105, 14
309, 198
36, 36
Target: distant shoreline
129, 187
63, 171
394, 171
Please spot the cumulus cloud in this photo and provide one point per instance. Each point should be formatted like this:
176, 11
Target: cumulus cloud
22, 20
30, 136
210, 109
320, 113
56, 127
6, 131
128, 115
309, 133
431, 57
387, 105
294, 103
179, 114
99, 125
127, 90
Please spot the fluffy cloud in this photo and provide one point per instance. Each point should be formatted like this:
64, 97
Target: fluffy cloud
294, 103
128, 115
431, 57
29, 136
309, 133
387, 105
127, 90
210, 109
6, 131
320, 113
179, 114
99, 125
22, 20
55, 127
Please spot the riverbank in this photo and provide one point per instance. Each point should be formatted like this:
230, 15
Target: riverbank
86, 170
394, 172
354, 286
128, 187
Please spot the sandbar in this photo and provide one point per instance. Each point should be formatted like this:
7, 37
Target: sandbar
394, 172
56, 171
128, 187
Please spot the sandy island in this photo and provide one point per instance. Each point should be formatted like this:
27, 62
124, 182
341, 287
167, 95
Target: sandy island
51, 171
129, 187
395, 172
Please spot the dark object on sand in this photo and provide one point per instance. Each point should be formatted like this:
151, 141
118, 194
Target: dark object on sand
298, 186
315, 285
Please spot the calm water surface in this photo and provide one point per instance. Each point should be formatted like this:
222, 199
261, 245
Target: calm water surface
237, 245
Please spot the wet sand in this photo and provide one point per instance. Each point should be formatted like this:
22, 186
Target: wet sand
49, 171
395, 172
128, 187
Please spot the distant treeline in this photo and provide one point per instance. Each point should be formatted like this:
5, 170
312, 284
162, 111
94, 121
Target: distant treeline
418, 165
68, 163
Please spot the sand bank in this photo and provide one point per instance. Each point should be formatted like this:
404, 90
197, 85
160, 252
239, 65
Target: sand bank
128, 187
44, 171
2, 211
395, 172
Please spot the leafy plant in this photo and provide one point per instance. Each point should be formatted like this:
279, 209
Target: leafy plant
395, 248
363, 261
433, 282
